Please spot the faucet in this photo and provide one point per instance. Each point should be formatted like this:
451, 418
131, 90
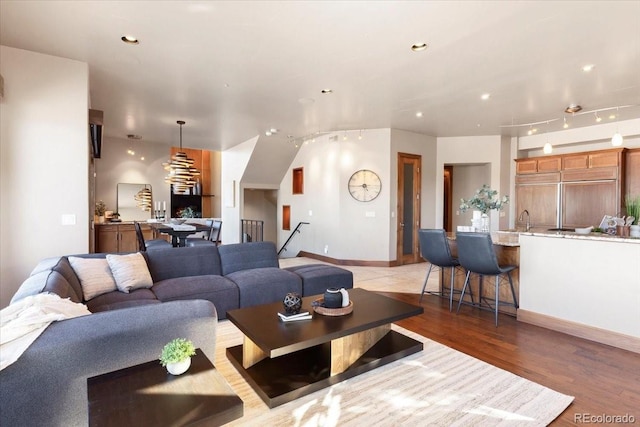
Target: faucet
528, 219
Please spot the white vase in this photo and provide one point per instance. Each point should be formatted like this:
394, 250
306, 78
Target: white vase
635, 231
179, 368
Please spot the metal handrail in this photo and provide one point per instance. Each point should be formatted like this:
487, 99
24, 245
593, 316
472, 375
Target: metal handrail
293, 233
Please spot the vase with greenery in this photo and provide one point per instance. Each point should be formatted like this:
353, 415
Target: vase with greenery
176, 355
100, 209
484, 200
632, 204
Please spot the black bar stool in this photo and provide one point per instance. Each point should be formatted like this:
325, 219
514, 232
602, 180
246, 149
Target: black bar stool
477, 255
434, 248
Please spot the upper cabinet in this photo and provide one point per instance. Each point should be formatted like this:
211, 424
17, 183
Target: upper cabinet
538, 165
594, 159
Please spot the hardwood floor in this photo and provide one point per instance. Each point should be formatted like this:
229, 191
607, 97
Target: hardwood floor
604, 380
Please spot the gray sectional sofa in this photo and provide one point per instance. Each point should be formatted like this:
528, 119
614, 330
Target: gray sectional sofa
230, 276
192, 287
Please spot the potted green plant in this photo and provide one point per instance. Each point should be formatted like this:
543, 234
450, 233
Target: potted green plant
100, 210
632, 204
176, 355
484, 200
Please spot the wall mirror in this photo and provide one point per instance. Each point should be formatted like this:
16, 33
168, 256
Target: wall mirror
134, 201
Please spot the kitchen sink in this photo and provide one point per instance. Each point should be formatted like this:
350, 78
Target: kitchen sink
561, 229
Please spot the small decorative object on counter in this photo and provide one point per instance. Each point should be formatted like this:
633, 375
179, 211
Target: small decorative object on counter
100, 210
484, 200
176, 355
292, 303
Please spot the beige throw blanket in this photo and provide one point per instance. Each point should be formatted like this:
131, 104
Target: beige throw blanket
23, 321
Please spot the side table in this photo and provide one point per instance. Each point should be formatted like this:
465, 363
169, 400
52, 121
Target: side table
147, 394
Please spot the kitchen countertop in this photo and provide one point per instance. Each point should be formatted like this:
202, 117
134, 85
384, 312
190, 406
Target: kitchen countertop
574, 235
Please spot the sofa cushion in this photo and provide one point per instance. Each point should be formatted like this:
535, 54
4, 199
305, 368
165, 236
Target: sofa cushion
64, 267
46, 281
264, 285
169, 263
245, 256
316, 278
95, 276
130, 271
222, 292
115, 299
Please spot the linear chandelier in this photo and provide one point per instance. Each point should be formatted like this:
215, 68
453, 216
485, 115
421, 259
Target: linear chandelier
182, 174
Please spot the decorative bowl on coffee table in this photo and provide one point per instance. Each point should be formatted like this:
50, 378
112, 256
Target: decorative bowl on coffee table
318, 307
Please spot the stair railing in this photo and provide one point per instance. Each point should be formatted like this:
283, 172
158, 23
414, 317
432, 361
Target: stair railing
293, 233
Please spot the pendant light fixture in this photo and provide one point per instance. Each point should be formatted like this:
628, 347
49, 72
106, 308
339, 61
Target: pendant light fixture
182, 175
143, 198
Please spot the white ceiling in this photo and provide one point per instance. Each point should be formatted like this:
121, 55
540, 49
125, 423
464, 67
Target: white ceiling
233, 69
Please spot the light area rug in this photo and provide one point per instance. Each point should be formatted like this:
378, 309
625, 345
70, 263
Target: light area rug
438, 386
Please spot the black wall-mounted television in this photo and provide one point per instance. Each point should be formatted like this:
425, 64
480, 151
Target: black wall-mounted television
95, 131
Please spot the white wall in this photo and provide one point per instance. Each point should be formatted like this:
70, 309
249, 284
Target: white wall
44, 158
470, 150
233, 165
336, 219
116, 166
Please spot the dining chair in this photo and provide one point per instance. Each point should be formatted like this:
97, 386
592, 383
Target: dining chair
212, 239
434, 247
477, 255
143, 244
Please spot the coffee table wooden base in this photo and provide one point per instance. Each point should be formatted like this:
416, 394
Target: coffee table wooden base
291, 376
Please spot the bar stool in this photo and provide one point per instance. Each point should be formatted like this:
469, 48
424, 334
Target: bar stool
434, 248
477, 255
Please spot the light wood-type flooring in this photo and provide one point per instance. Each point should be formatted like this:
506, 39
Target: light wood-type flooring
604, 380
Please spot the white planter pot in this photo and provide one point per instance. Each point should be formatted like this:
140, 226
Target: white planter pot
179, 368
635, 231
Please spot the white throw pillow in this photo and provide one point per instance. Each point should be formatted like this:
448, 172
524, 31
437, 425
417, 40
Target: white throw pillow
95, 276
130, 271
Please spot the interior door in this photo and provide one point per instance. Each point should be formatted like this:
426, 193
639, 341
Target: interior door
408, 208
447, 215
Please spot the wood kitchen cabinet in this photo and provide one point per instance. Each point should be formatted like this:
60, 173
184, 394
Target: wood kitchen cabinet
539, 195
574, 190
585, 203
593, 159
111, 238
538, 165
632, 168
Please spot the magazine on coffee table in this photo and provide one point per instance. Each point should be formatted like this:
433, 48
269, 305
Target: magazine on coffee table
303, 315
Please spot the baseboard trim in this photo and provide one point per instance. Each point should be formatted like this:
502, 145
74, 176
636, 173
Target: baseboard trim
353, 262
603, 336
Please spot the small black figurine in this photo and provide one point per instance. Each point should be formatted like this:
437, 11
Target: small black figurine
292, 303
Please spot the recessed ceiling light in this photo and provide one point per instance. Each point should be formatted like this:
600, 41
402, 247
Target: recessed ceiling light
274, 130
326, 91
612, 116
268, 133
485, 96
129, 40
419, 114
419, 47
587, 68
573, 108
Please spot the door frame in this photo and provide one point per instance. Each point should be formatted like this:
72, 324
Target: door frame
416, 160
447, 214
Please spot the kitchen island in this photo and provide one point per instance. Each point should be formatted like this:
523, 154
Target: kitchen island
507, 248
582, 285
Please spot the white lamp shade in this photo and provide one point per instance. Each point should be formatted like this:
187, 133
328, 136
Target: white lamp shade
616, 140
547, 149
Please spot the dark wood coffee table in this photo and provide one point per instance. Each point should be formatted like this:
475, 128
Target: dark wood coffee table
147, 394
286, 360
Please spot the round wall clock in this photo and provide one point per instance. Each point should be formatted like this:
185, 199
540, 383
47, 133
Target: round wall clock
364, 185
